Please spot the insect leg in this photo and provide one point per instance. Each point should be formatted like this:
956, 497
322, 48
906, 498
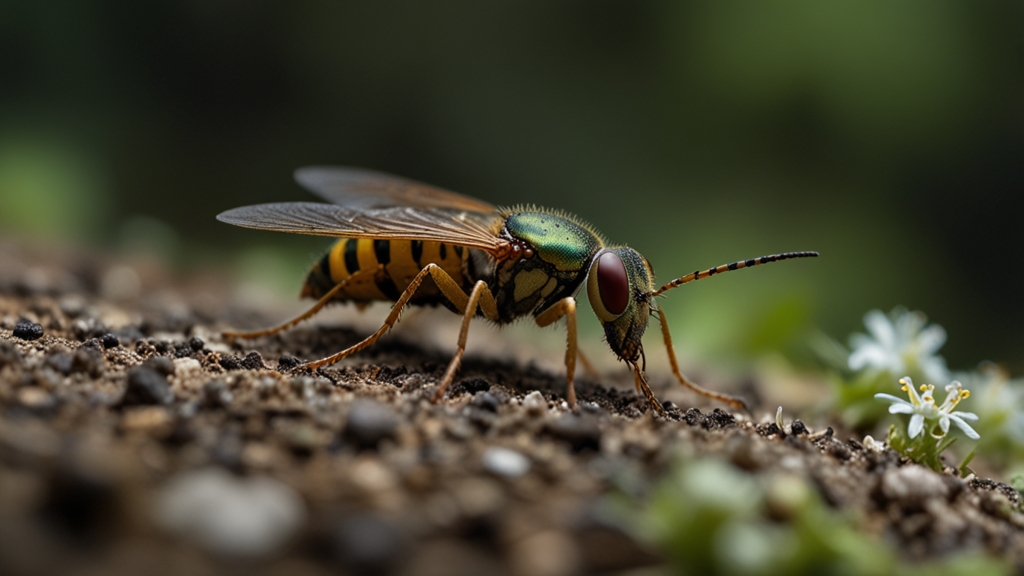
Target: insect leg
730, 400
565, 307
230, 334
479, 297
448, 286
645, 388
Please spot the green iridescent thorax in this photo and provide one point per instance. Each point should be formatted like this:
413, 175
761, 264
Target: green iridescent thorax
557, 240
624, 333
562, 250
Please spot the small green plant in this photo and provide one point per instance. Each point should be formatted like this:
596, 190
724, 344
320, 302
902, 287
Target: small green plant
927, 435
708, 517
999, 402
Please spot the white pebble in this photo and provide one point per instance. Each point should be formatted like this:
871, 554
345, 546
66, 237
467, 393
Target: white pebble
505, 462
535, 403
224, 513
913, 483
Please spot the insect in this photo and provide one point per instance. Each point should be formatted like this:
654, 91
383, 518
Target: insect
415, 244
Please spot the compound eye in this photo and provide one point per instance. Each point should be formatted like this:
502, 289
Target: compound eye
612, 283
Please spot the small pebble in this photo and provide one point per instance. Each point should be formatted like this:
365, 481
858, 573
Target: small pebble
110, 341
34, 397
913, 484
147, 386
253, 361
367, 544
73, 306
160, 364
9, 354
216, 394
229, 363
60, 362
505, 462
228, 514
85, 328
580, 432
88, 361
369, 422
28, 330
196, 343
287, 362
153, 419
485, 401
534, 403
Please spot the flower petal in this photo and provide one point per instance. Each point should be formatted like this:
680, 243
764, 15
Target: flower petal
880, 327
931, 339
965, 415
964, 426
901, 409
891, 398
870, 354
944, 424
916, 425
907, 324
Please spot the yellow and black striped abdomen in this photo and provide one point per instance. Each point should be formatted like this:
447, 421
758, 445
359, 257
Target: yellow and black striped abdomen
381, 269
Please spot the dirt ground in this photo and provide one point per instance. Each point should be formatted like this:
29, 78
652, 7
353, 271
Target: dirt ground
133, 439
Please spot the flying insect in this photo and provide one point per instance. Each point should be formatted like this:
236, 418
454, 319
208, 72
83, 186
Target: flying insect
414, 244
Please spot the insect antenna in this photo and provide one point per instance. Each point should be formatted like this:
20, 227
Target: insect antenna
700, 274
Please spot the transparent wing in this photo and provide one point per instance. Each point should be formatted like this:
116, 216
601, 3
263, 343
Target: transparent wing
361, 188
471, 229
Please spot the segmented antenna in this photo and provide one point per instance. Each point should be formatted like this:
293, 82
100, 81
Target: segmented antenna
700, 274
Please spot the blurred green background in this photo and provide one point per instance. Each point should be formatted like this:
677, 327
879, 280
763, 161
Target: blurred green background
889, 136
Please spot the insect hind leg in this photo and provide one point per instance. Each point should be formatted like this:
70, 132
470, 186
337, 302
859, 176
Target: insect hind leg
313, 310
451, 290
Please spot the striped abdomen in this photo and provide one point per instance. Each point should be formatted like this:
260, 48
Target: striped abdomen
389, 266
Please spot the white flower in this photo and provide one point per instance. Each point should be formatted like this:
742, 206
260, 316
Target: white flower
923, 408
999, 399
899, 343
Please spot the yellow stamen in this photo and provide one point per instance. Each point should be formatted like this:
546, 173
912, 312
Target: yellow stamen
965, 393
923, 387
904, 389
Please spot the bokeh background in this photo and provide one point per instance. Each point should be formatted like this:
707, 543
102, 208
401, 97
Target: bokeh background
889, 136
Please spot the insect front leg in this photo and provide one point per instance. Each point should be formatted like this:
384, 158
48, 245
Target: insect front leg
730, 400
231, 334
565, 307
481, 298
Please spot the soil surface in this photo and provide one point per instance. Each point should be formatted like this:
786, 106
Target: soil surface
133, 439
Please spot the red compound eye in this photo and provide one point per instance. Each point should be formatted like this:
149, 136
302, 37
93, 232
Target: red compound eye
612, 283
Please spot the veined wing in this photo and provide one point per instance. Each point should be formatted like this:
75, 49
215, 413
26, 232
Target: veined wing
361, 188
470, 229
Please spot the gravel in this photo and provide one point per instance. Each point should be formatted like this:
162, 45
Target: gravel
121, 460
